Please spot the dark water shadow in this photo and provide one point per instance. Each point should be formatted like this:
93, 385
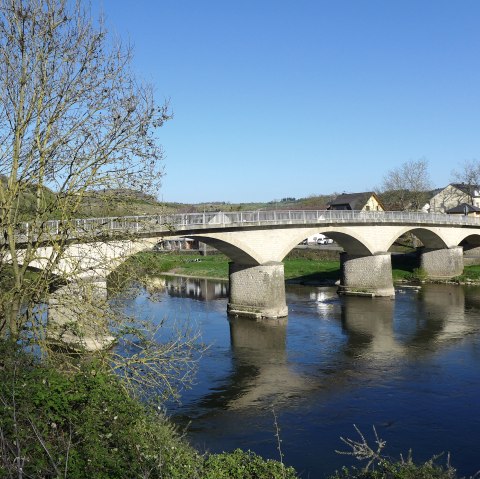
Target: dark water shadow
406, 261
327, 278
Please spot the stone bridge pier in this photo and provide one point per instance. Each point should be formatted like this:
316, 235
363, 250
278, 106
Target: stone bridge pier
256, 272
79, 316
442, 263
369, 275
257, 291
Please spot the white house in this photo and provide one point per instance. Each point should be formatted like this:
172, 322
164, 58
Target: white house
453, 195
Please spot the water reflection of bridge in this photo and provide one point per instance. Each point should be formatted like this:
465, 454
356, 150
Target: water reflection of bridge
201, 289
373, 335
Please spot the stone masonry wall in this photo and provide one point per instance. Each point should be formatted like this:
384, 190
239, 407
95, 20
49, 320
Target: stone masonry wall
442, 263
370, 275
257, 291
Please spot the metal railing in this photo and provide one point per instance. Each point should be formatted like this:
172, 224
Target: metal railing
172, 223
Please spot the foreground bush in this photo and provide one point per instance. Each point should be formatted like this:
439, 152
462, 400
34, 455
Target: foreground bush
379, 466
82, 424
399, 470
245, 465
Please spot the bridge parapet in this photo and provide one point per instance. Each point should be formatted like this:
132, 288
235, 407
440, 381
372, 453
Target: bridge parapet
78, 228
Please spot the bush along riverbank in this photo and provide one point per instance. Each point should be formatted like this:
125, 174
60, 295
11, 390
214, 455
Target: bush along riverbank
79, 422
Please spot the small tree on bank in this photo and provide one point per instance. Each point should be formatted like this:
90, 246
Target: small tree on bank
73, 119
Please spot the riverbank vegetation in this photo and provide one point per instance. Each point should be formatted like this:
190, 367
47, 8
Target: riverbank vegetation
216, 265
79, 421
305, 266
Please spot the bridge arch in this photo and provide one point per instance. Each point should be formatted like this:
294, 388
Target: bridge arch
238, 253
349, 240
470, 241
86, 260
260, 246
471, 249
431, 239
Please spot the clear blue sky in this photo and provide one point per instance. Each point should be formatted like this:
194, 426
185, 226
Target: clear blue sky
276, 98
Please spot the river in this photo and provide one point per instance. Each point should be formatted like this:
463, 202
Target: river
409, 366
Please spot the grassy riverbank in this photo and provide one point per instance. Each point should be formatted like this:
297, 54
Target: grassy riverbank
306, 267
301, 266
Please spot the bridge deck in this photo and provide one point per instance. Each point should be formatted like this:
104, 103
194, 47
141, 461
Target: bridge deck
174, 223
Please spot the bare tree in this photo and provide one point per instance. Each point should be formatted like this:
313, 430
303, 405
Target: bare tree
406, 187
468, 174
73, 119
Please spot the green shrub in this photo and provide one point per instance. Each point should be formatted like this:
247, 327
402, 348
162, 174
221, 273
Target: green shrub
245, 465
82, 424
399, 470
418, 274
85, 423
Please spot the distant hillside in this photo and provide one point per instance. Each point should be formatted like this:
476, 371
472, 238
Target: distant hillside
126, 202
314, 202
28, 199
94, 204
119, 202
311, 203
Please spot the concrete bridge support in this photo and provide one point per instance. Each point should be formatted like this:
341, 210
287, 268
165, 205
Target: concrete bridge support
257, 291
442, 263
471, 255
78, 316
366, 275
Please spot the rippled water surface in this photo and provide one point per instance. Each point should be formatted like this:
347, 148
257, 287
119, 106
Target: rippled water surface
410, 366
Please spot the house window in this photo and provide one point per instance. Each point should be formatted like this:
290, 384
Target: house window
367, 208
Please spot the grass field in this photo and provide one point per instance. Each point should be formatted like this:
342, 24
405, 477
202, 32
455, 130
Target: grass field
216, 266
302, 266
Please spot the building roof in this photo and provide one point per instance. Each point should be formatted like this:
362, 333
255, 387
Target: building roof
463, 208
354, 201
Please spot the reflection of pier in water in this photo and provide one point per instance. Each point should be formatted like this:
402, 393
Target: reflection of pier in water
434, 321
377, 334
196, 288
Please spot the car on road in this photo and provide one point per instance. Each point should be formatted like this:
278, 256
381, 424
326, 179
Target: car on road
324, 240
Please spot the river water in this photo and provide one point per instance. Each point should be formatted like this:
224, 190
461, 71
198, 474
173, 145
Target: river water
409, 366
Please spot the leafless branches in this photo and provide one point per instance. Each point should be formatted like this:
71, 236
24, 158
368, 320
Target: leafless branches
151, 359
362, 451
73, 120
468, 174
406, 187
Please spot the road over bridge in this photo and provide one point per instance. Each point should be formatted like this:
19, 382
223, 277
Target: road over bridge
257, 242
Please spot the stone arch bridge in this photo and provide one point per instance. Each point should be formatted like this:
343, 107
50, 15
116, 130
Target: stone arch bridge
257, 242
